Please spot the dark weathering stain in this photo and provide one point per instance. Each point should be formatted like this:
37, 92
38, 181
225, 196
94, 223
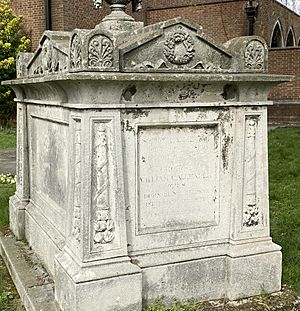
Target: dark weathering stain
136, 113
128, 93
230, 92
126, 126
226, 143
191, 91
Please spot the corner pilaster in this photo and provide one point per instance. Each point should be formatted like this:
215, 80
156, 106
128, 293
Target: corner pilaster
19, 201
96, 233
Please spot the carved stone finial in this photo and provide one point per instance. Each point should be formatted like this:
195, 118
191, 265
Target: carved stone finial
120, 5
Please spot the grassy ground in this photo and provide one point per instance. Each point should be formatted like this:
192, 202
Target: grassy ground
9, 299
7, 137
284, 163
5, 192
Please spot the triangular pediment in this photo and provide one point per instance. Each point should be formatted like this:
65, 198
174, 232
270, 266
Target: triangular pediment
175, 45
51, 55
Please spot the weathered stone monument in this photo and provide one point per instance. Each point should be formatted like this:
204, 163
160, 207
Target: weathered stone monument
142, 164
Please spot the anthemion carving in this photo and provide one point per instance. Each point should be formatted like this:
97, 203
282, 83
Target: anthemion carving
103, 224
179, 47
75, 53
254, 56
76, 231
100, 52
251, 210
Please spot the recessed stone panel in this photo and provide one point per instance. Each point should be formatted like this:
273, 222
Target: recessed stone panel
177, 177
50, 160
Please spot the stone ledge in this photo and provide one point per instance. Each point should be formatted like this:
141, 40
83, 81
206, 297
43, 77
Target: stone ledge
35, 287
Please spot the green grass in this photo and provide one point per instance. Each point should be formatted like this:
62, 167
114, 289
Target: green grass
284, 172
7, 137
192, 306
8, 296
5, 192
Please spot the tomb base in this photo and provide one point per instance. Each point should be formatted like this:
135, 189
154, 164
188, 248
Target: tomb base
106, 286
17, 216
219, 274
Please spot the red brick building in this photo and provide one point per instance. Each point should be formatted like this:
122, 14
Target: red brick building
220, 19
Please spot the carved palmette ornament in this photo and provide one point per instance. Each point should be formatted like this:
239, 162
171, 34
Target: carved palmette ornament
251, 210
103, 224
255, 56
179, 47
100, 53
76, 53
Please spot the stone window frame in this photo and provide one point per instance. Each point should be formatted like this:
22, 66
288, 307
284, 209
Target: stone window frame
279, 25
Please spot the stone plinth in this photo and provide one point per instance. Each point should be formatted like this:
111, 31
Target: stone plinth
142, 165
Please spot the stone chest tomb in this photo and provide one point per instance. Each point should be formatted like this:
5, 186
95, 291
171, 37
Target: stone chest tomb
142, 164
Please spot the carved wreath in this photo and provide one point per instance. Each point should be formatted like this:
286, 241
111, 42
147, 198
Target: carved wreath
179, 48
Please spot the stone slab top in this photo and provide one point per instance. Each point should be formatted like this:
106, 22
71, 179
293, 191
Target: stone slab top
155, 77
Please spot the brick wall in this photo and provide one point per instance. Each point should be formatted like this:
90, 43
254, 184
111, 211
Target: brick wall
34, 15
220, 19
286, 96
286, 61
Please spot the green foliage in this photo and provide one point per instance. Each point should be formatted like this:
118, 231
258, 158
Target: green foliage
11, 43
7, 137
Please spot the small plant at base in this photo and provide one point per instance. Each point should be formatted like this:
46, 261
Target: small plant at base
177, 306
8, 179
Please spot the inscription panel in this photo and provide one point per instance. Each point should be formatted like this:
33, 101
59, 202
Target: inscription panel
177, 177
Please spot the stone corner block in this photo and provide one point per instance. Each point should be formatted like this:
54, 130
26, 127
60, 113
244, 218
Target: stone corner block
112, 286
254, 275
17, 216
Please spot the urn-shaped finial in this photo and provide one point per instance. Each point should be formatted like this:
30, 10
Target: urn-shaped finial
120, 5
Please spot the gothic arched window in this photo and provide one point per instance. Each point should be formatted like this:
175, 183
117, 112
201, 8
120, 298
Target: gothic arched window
290, 39
276, 40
